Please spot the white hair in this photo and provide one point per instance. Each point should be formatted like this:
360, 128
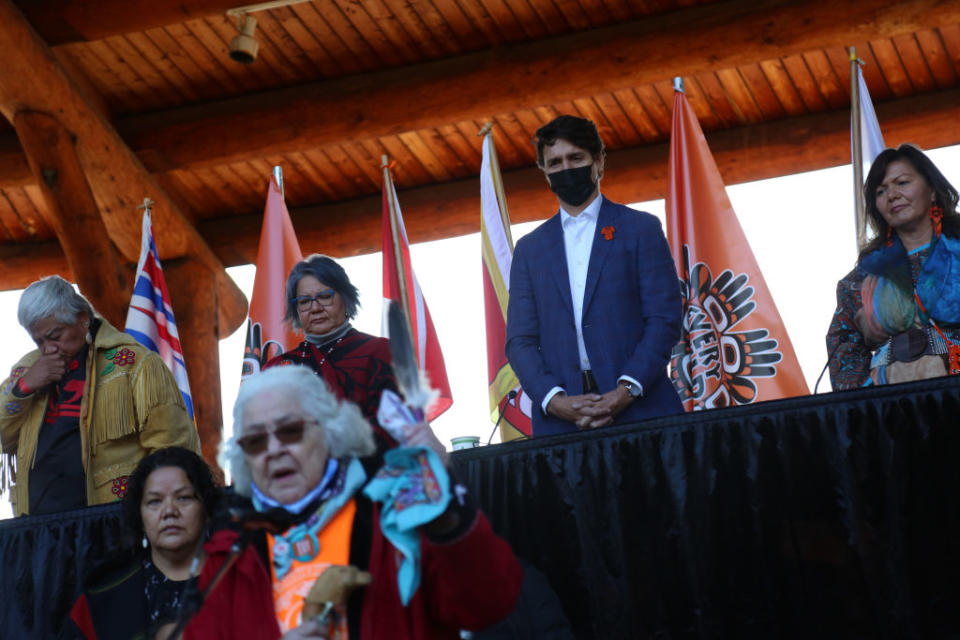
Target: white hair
346, 433
51, 297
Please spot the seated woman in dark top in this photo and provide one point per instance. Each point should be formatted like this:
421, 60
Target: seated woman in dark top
168, 508
898, 311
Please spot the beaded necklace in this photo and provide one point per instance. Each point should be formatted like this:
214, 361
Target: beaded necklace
304, 352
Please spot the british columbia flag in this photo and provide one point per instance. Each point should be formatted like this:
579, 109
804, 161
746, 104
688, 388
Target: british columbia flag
150, 317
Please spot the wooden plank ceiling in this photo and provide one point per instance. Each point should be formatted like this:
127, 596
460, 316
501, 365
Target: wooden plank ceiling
338, 83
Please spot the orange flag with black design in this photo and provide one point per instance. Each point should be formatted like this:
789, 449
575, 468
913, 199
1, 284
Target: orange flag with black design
734, 349
267, 334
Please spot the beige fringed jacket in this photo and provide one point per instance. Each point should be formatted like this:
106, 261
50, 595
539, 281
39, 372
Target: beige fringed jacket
130, 407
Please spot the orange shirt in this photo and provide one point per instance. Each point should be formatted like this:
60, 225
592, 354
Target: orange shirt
312, 556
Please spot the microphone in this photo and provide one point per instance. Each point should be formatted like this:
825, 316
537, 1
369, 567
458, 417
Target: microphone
510, 397
829, 358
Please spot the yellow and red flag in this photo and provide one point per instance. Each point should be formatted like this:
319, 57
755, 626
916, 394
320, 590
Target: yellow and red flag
734, 349
400, 284
279, 251
506, 396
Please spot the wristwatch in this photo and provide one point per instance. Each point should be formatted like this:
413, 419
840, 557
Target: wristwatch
631, 388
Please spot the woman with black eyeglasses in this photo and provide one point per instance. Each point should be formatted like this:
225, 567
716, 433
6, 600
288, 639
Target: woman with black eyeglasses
321, 301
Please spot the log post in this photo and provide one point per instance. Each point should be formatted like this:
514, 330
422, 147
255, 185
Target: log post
73, 214
193, 294
31, 78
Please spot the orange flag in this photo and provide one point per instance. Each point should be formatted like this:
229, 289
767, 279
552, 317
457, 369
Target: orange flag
279, 251
400, 284
734, 349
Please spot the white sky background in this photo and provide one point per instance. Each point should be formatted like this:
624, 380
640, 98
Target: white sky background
800, 228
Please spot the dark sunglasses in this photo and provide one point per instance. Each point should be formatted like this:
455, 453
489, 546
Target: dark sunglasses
256, 443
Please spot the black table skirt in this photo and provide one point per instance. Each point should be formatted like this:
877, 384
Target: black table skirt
834, 516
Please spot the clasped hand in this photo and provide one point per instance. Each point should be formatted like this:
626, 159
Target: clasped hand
590, 410
47, 370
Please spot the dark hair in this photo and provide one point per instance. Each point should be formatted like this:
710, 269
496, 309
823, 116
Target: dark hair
327, 271
577, 131
197, 472
944, 193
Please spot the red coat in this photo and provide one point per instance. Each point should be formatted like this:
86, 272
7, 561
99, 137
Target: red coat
471, 582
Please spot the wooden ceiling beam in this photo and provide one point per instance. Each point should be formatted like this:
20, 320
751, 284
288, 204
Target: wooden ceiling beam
72, 212
440, 211
526, 75
745, 154
522, 76
65, 21
32, 79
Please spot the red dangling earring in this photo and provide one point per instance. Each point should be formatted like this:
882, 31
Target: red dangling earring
889, 236
936, 214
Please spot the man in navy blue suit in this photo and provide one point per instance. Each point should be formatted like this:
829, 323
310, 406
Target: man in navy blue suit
595, 303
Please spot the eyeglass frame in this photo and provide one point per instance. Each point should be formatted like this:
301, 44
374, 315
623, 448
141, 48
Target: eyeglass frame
309, 300
298, 426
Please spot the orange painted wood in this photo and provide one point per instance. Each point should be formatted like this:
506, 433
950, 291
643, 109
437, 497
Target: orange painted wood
892, 67
741, 98
912, 58
936, 55
62, 21
31, 79
716, 36
73, 213
24, 207
834, 91
342, 60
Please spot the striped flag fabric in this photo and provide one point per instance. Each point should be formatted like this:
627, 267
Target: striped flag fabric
734, 348
400, 284
871, 138
506, 395
150, 316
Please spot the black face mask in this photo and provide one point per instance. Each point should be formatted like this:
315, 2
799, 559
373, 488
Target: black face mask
573, 186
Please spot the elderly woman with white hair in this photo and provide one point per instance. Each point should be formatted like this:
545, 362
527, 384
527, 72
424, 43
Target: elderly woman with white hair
297, 448
81, 410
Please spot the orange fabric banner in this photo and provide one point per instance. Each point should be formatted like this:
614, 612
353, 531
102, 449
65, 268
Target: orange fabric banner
400, 284
735, 349
279, 251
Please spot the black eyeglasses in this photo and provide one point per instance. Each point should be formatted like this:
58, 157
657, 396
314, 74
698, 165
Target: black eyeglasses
289, 433
324, 299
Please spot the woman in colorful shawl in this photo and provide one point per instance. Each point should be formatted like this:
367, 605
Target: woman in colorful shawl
321, 301
358, 561
898, 311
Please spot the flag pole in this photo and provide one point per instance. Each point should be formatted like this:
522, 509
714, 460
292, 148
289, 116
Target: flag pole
857, 150
395, 238
147, 203
487, 130
278, 176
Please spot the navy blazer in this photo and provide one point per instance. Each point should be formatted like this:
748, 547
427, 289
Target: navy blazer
631, 314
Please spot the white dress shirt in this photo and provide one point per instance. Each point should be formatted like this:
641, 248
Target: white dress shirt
578, 234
